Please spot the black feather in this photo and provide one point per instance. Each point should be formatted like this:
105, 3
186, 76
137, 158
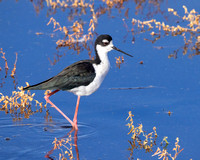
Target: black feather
78, 74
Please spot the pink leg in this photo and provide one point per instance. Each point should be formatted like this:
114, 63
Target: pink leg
76, 111
53, 105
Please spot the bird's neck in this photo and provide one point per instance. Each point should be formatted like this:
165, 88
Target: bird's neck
101, 66
101, 55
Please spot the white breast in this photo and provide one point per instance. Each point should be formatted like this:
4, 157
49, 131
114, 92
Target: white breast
101, 71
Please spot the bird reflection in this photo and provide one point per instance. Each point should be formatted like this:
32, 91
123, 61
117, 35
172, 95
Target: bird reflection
59, 143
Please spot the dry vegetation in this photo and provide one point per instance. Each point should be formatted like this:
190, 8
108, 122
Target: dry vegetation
4, 68
188, 27
119, 61
77, 35
142, 140
164, 153
139, 138
20, 104
65, 147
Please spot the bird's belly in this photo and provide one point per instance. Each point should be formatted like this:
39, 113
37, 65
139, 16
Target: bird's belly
86, 90
101, 72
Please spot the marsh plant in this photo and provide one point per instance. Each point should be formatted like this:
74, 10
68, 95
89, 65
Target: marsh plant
21, 104
187, 26
142, 140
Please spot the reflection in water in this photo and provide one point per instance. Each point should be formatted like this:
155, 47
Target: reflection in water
6, 62
164, 153
6, 68
139, 138
147, 141
153, 7
77, 33
187, 26
18, 138
56, 58
65, 146
14, 71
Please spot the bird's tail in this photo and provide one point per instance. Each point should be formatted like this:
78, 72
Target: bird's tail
40, 86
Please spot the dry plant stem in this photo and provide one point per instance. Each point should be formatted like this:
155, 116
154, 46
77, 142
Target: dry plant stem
53, 105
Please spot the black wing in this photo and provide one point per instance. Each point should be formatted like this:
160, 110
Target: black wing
80, 73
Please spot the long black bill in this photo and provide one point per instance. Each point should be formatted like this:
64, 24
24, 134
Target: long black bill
115, 48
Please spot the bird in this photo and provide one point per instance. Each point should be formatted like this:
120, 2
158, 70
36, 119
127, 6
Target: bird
81, 78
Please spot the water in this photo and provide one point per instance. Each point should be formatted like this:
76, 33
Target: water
103, 133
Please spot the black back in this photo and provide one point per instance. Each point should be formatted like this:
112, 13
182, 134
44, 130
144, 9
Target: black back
80, 73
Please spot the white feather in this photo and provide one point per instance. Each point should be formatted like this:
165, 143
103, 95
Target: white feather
101, 71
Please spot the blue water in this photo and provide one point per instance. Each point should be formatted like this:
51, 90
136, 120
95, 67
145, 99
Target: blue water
102, 116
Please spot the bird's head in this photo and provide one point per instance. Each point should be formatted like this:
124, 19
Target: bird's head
104, 44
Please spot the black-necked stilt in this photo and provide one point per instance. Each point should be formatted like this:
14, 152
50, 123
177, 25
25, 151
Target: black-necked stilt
81, 78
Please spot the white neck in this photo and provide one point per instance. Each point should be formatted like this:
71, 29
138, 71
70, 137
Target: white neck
102, 52
103, 67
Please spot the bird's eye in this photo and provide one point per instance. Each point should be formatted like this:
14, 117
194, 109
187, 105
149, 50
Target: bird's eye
105, 42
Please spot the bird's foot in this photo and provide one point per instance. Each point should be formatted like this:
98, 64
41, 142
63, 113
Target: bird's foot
75, 126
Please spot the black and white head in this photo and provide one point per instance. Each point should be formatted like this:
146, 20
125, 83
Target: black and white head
104, 44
